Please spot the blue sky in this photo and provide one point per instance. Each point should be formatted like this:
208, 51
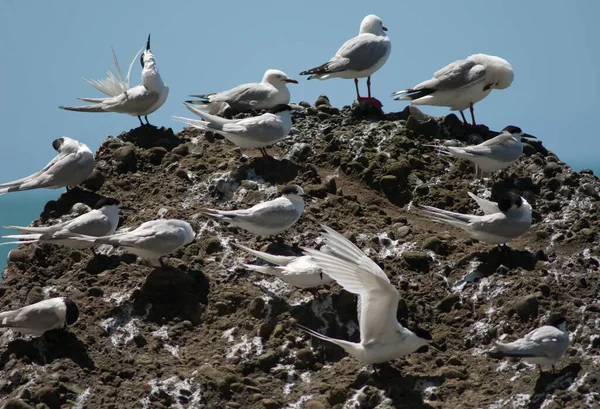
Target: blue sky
48, 47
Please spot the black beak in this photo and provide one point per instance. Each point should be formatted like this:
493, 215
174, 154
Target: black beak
526, 135
126, 208
148, 43
312, 198
434, 346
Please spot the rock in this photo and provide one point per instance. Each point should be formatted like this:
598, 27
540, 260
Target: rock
433, 243
314, 404
429, 129
447, 302
49, 396
16, 404
412, 124
525, 307
36, 294
213, 245
256, 307
402, 231
16, 255
270, 404
181, 150
305, 355
416, 260
400, 170
125, 158
337, 395
452, 373
95, 181
156, 155
552, 169
95, 292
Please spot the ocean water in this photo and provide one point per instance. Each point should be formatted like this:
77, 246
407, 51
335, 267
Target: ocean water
20, 209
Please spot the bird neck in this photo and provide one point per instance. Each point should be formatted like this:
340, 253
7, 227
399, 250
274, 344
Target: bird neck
151, 79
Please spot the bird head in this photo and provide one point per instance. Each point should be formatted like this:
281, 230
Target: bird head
72, 313
517, 132
147, 55
295, 191
276, 77
372, 25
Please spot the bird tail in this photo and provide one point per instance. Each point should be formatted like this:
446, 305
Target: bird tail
317, 72
411, 94
23, 239
28, 229
92, 100
216, 214
510, 349
84, 108
271, 258
195, 123
442, 150
267, 270
444, 216
349, 347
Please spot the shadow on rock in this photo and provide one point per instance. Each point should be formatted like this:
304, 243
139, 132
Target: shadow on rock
273, 171
173, 293
100, 262
62, 205
149, 136
55, 344
405, 391
548, 383
501, 256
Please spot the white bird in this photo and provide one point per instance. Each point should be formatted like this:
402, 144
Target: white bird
492, 155
141, 100
542, 346
40, 317
299, 271
268, 93
101, 221
73, 164
151, 240
359, 57
461, 84
247, 133
382, 337
501, 222
266, 218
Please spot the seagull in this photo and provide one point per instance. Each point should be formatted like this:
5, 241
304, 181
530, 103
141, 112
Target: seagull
73, 164
141, 100
492, 155
501, 222
102, 221
461, 84
248, 133
382, 337
151, 240
40, 317
268, 93
301, 271
542, 346
266, 218
359, 57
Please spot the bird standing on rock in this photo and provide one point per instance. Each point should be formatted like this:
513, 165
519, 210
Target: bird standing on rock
73, 164
247, 133
266, 218
40, 317
492, 155
141, 100
461, 84
267, 94
102, 221
359, 57
151, 240
542, 346
501, 222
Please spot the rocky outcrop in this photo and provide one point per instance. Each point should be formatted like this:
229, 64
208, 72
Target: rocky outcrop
206, 333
